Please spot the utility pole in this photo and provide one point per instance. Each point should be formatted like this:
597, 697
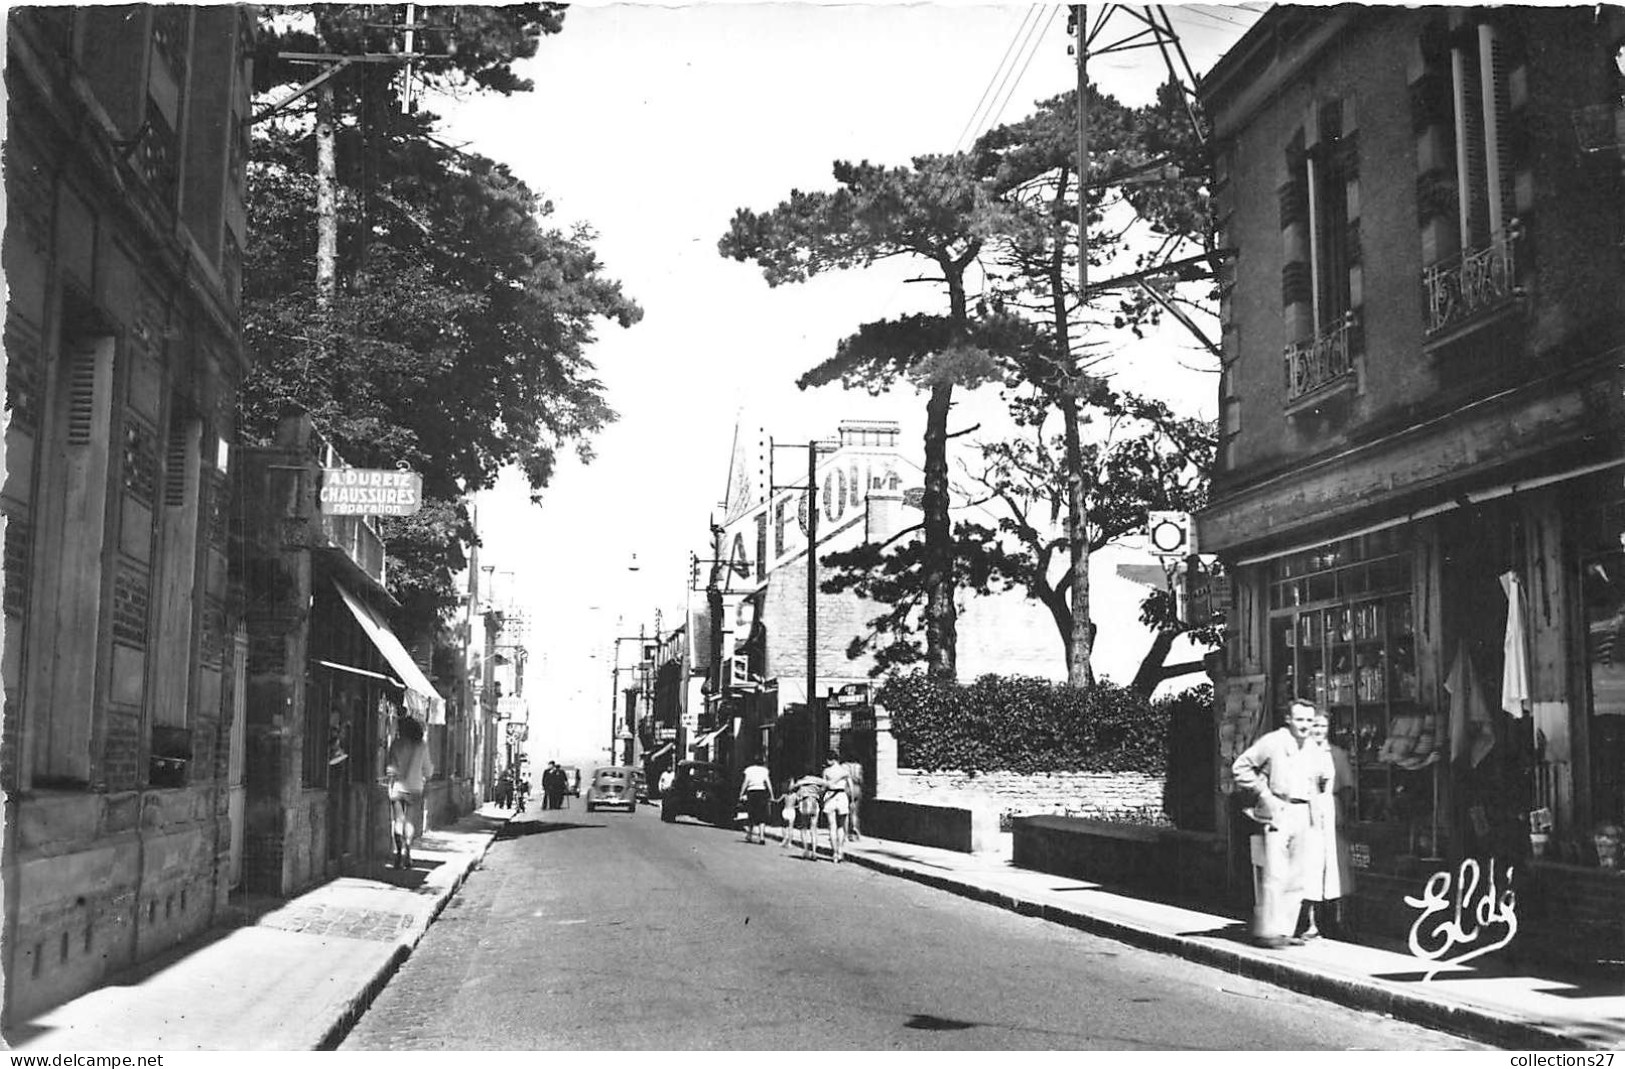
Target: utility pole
820, 712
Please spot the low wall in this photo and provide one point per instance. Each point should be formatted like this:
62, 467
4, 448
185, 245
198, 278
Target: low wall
967, 830
1076, 794
1160, 861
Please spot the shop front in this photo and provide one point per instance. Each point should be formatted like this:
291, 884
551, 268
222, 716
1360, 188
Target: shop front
1466, 656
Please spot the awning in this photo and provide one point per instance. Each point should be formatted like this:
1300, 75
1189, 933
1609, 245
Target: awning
421, 698
706, 739
657, 753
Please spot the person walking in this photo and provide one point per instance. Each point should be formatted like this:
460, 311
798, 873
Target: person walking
854, 796
406, 764
1284, 772
756, 792
809, 795
837, 805
553, 786
1328, 873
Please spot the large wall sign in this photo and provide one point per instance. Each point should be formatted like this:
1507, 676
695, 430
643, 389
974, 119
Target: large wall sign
775, 532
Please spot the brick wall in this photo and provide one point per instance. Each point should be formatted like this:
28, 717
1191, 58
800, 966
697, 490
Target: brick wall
1078, 794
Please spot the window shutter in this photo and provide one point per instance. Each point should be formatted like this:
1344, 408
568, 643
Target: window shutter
1496, 62
81, 396
175, 466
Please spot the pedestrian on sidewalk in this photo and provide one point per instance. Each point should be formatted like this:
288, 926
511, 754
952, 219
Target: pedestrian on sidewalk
854, 798
756, 792
407, 766
1284, 772
1328, 872
837, 805
809, 796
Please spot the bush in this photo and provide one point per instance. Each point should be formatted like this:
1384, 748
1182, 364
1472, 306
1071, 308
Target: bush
1023, 724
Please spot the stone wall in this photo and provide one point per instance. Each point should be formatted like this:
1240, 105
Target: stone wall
1076, 794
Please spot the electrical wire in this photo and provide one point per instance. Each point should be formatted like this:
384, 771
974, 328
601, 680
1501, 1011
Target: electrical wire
970, 123
1037, 39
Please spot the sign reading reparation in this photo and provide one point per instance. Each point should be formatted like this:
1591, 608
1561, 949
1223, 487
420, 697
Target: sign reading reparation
370, 492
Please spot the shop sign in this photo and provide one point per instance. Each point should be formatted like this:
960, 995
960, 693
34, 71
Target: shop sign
666, 734
518, 732
370, 492
1207, 595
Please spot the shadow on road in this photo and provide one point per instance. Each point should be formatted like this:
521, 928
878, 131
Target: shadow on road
518, 830
927, 1022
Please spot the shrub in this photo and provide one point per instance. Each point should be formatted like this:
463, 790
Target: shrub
1023, 724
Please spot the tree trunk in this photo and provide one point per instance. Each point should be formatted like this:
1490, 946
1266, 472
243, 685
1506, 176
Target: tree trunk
1079, 644
941, 626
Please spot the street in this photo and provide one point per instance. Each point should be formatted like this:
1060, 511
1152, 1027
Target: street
604, 930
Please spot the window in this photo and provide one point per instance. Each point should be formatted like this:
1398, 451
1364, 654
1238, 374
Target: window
1603, 580
1342, 635
175, 650
62, 693
1465, 105
1320, 280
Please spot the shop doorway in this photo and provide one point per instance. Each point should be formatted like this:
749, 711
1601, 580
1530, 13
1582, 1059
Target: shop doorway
1489, 778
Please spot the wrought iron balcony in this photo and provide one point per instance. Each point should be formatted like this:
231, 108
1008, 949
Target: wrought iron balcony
1318, 366
1467, 286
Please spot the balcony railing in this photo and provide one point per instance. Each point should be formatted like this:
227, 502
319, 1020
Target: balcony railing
1464, 287
1320, 364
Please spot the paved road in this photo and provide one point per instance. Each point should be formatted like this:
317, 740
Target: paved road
612, 931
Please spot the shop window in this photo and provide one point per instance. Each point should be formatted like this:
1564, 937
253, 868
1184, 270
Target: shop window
1604, 591
1342, 635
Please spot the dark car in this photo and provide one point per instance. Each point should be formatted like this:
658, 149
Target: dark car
700, 789
612, 788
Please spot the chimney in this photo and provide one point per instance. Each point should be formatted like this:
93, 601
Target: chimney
883, 514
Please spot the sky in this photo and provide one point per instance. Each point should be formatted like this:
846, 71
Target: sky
653, 124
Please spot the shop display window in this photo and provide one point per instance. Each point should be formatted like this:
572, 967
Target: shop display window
1342, 634
1603, 582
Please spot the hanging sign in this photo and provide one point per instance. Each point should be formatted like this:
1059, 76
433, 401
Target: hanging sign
370, 492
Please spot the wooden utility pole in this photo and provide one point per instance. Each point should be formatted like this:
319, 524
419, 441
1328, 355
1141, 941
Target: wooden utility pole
820, 713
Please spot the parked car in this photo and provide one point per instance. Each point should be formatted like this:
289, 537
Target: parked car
700, 789
640, 785
572, 780
612, 788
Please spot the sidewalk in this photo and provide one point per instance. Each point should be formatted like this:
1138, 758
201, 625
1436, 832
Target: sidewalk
1495, 1006
285, 974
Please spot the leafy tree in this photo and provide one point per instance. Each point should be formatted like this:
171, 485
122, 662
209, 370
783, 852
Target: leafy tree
456, 342
935, 210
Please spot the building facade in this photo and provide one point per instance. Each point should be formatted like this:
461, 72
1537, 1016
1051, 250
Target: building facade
755, 699
326, 676
1420, 493
122, 767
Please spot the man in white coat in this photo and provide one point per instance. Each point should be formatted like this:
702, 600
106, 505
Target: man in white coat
1284, 772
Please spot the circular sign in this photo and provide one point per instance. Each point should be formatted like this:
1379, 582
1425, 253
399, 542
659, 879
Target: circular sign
1168, 535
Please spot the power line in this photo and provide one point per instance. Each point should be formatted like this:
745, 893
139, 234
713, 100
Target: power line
1038, 40
971, 122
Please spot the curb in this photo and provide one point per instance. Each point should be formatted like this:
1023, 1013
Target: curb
1460, 1020
363, 999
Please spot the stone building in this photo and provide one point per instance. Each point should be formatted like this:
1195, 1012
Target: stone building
124, 174
1419, 490
325, 674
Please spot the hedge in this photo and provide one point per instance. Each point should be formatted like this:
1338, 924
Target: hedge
1026, 724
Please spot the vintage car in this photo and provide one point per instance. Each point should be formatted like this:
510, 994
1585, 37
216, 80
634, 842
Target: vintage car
700, 789
612, 788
